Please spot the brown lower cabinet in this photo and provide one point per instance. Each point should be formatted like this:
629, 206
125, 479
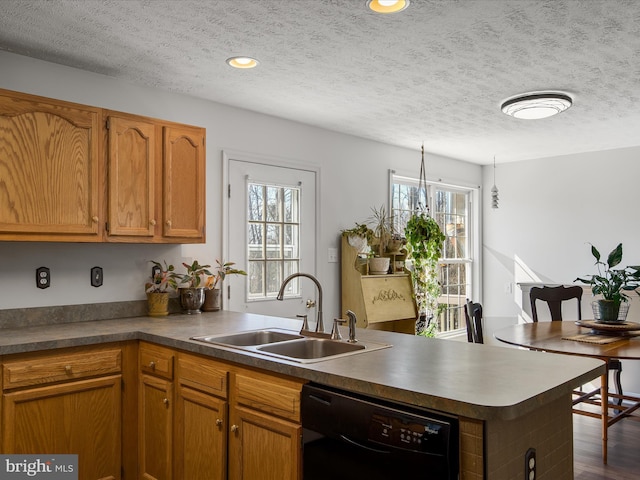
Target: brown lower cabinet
200, 418
67, 402
145, 411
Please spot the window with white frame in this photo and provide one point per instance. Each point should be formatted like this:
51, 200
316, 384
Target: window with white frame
273, 239
450, 206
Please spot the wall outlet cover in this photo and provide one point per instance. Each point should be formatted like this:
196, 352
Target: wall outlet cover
43, 277
96, 277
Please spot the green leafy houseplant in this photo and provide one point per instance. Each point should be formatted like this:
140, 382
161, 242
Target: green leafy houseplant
424, 248
611, 283
222, 270
195, 275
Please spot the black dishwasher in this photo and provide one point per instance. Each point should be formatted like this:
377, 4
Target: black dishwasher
349, 436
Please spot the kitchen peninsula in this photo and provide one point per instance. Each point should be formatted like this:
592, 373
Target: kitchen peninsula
506, 400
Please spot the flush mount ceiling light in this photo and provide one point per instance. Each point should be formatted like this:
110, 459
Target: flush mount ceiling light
538, 105
242, 62
387, 6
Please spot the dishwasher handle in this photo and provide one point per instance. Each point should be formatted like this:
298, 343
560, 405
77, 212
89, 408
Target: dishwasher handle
365, 447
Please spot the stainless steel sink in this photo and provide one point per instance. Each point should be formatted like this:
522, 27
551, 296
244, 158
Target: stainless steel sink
254, 337
311, 348
290, 345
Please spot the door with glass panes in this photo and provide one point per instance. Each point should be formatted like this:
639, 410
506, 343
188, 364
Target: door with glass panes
271, 234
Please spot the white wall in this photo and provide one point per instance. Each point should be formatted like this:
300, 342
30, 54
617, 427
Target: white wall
550, 210
353, 171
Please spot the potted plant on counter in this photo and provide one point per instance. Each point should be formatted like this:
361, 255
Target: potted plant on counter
611, 283
191, 286
158, 288
382, 233
213, 285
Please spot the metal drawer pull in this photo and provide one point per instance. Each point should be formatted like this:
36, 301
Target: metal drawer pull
218, 422
234, 428
152, 365
67, 368
166, 401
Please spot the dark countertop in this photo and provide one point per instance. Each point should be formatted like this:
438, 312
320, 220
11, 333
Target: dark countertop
471, 380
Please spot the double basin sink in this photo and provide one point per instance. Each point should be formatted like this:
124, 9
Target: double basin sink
290, 345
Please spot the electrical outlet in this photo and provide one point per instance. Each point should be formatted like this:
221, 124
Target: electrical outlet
96, 277
155, 270
530, 464
43, 277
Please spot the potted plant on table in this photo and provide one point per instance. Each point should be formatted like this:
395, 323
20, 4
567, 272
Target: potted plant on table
424, 248
158, 288
213, 285
611, 284
191, 286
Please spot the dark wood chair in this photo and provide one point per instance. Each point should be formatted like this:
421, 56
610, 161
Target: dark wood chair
554, 296
473, 317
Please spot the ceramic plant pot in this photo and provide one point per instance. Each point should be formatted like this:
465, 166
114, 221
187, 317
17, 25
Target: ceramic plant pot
212, 301
158, 304
379, 265
191, 299
608, 311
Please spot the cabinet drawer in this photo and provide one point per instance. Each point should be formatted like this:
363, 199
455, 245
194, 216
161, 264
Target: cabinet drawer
57, 367
202, 374
268, 394
156, 360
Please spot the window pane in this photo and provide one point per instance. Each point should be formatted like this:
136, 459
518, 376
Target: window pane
291, 248
256, 243
255, 202
273, 241
273, 204
274, 278
256, 279
291, 204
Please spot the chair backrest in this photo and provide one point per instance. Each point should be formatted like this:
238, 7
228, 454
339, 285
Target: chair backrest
554, 296
473, 317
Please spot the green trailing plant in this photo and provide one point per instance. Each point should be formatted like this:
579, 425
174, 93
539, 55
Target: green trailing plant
222, 270
163, 279
609, 282
424, 249
195, 275
360, 230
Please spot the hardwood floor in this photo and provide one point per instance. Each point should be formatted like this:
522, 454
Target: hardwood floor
623, 452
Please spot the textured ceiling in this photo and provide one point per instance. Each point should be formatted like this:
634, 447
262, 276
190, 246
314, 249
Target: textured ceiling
434, 73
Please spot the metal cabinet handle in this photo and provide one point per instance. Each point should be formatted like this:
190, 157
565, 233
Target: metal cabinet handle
68, 369
152, 365
234, 428
166, 401
218, 422
168, 223
152, 222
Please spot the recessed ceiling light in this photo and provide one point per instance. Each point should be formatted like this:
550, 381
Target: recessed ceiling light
387, 6
242, 62
536, 106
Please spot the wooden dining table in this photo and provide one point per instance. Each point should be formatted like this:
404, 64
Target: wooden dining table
569, 338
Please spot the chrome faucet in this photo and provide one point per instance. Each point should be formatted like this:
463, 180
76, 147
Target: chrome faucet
352, 326
319, 322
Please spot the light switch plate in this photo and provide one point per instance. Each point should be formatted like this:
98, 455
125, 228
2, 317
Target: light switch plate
332, 255
96, 277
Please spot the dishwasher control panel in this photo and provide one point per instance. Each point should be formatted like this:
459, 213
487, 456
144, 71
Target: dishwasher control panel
407, 433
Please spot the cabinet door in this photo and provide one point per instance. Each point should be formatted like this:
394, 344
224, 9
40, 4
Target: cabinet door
264, 447
200, 442
155, 432
49, 170
131, 177
82, 418
184, 183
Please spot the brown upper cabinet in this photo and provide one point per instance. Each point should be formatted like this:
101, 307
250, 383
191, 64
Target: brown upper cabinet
155, 182
50, 170
84, 174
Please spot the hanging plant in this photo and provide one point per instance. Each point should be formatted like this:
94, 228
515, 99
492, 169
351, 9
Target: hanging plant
424, 248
